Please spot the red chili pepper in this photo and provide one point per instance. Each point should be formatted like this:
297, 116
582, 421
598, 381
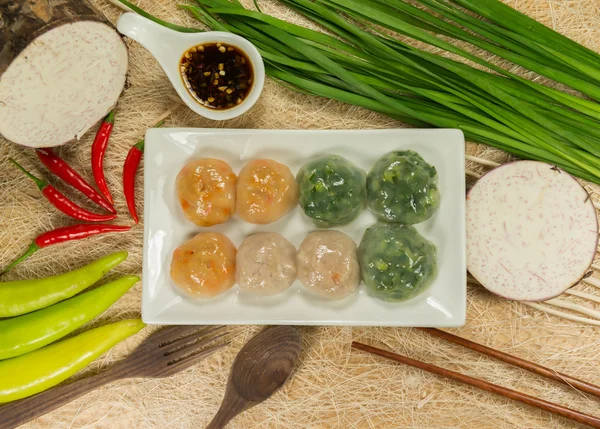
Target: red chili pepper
64, 234
61, 202
98, 150
65, 172
130, 168
129, 171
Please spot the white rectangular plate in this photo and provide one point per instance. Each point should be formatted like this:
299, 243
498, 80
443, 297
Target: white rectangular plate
165, 227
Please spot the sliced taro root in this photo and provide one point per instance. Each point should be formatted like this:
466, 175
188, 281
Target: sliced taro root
62, 69
532, 231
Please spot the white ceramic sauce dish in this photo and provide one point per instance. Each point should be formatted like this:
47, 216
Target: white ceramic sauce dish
168, 46
443, 304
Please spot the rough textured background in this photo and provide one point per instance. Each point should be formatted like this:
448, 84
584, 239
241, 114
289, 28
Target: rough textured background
333, 386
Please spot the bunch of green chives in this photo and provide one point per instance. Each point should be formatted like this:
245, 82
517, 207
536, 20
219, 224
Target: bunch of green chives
362, 62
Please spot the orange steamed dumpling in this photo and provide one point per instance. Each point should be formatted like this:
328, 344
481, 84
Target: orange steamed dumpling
266, 191
206, 191
204, 266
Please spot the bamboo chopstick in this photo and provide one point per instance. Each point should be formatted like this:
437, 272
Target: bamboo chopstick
516, 361
487, 386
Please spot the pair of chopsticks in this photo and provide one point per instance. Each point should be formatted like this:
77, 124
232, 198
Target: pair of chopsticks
504, 391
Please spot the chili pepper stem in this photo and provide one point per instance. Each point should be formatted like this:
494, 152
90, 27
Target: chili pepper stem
110, 118
39, 182
33, 247
140, 145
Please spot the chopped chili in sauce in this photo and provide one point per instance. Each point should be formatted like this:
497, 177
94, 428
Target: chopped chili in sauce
217, 75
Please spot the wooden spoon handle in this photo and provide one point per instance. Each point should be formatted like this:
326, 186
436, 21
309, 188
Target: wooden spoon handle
232, 405
577, 416
220, 419
20, 412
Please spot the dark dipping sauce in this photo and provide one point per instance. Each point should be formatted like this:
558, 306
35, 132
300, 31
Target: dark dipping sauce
219, 76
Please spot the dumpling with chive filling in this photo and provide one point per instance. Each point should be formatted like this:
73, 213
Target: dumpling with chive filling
397, 263
403, 188
332, 190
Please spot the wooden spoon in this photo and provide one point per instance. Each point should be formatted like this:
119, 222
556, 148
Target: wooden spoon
260, 369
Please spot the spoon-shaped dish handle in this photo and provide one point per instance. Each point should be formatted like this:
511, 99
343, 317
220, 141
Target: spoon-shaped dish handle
159, 40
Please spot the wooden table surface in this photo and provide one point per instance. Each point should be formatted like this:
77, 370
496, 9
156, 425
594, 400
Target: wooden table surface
333, 386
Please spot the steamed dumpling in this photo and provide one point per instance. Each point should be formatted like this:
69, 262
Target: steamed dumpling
204, 266
332, 190
266, 191
328, 264
397, 262
266, 264
206, 191
402, 187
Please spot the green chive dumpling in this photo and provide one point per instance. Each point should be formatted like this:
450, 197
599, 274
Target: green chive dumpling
402, 188
397, 263
332, 190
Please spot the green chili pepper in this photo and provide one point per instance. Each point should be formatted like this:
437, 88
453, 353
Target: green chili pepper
37, 371
24, 296
32, 331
